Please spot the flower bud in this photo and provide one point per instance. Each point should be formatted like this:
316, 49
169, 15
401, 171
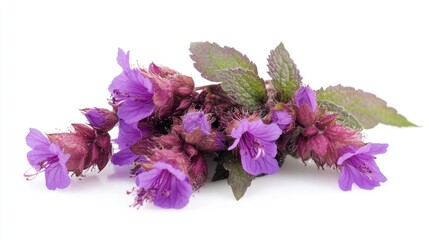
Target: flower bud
306, 96
281, 115
198, 171
196, 120
325, 121
310, 131
100, 118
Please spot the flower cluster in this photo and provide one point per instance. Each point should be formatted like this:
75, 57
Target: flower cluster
168, 129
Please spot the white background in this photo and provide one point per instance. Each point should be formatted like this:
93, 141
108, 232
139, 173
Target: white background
59, 56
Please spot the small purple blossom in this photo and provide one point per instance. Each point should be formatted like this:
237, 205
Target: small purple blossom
48, 157
194, 120
305, 95
358, 166
257, 146
132, 92
164, 185
282, 118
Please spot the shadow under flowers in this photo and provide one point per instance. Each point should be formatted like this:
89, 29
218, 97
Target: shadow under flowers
92, 179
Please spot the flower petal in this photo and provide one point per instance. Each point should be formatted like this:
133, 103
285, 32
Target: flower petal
265, 132
56, 176
270, 148
124, 157
118, 84
373, 148
264, 164
123, 59
234, 145
376, 174
36, 139
133, 111
37, 155
128, 134
345, 182
242, 127
344, 157
137, 86
282, 118
145, 179
305, 95
176, 172
363, 181
178, 197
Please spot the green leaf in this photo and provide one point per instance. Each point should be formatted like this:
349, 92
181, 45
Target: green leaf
238, 179
210, 57
220, 173
368, 109
244, 87
343, 116
283, 71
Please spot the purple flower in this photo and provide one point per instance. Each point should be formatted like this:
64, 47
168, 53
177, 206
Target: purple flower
257, 146
48, 157
128, 135
194, 120
305, 95
282, 118
164, 185
132, 92
100, 118
358, 166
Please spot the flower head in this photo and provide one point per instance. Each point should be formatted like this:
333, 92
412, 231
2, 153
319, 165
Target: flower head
86, 146
321, 136
132, 92
164, 182
173, 92
48, 157
322, 144
305, 95
257, 146
195, 129
358, 166
100, 118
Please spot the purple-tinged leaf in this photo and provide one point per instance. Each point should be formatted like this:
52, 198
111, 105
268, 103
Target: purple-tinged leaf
368, 109
283, 71
210, 57
342, 116
238, 179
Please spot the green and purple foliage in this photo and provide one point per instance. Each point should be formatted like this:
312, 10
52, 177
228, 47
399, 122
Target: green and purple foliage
169, 129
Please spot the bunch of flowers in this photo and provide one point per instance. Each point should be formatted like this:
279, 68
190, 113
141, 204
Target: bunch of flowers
169, 129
